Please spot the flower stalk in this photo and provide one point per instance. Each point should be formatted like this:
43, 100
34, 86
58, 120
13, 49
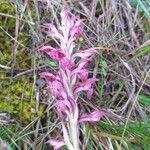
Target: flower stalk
71, 79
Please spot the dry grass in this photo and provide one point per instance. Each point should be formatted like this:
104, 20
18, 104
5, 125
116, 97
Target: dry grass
118, 28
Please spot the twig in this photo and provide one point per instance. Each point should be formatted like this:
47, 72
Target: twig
5, 67
29, 71
10, 16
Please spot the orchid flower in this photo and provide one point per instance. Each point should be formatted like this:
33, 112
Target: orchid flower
92, 117
57, 144
71, 79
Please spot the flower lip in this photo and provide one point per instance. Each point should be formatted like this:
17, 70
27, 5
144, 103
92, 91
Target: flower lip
66, 63
54, 53
48, 76
64, 106
84, 54
57, 144
53, 31
85, 86
92, 117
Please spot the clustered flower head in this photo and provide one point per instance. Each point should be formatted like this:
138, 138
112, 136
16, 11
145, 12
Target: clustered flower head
71, 79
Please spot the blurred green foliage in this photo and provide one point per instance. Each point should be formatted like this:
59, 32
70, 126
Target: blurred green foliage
143, 6
138, 130
144, 100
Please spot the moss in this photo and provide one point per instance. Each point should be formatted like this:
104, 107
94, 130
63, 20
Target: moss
7, 23
12, 101
16, 99
16, 96
6, 7
6, 106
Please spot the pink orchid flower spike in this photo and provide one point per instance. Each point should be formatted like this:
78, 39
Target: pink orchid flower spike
71, 79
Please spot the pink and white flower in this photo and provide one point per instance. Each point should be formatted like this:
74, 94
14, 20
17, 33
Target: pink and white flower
71, 79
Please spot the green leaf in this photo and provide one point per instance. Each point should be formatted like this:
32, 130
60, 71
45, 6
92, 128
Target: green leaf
143, 52
145, 100
103, 65
143, 6
51, 63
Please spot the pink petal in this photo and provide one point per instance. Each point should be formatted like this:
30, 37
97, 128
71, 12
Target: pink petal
54, 53
60, 107
81, 71
57, 144
83, 74
82, 64
67, 20
76, 31
57, 89
92, 117
66, 63
64, 13
85, 86
89, 93
54, 84
47, 49
63, 105
53, 31
66, 23
48, 76
84, 54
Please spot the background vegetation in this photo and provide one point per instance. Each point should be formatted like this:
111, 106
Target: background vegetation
121, 30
